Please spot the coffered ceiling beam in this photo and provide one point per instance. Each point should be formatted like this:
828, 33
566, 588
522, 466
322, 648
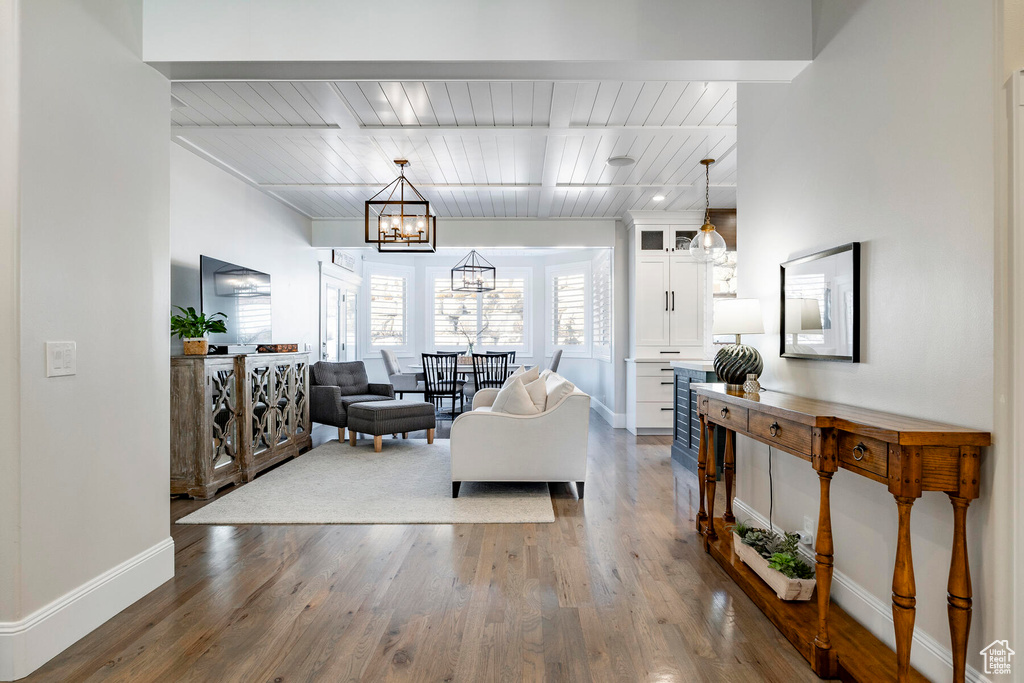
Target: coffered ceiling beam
751, 70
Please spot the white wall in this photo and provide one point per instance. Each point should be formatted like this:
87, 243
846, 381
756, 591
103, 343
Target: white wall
887, 139
94, 455
10, 367
196, 30
215, 214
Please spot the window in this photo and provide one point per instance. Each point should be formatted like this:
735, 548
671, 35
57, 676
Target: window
455, 315
496, 320
602, 293
388, 306
569, 309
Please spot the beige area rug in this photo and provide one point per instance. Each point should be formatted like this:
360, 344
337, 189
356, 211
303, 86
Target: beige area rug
409, 482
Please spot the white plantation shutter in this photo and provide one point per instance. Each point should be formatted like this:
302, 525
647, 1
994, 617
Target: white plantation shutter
388, 321
503, 314
569, 304
602, 294
495, 320
455, 315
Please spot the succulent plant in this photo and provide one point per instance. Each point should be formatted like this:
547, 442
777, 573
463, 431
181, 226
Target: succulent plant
779, 549
791, 566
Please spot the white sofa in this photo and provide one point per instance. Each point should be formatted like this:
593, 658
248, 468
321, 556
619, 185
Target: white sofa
547, 446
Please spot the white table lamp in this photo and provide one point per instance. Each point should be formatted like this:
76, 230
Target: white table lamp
734, 362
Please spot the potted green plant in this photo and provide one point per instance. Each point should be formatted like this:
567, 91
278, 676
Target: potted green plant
774, 557
192, 328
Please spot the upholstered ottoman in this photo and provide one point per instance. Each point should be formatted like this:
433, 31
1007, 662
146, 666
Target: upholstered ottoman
390, 417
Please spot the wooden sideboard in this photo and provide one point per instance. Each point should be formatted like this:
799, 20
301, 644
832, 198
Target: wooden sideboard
908, 455
234, 416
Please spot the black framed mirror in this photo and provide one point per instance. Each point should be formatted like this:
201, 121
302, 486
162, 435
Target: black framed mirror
820, 311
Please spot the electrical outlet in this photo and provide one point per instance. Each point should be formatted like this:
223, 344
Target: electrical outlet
61, 359
807, 535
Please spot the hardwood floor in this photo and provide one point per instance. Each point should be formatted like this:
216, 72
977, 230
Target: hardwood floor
618, 588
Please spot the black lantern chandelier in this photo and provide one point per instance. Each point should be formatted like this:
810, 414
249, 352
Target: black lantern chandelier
397, 224
473, 274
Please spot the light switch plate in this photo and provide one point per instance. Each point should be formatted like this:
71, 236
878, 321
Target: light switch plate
61, 359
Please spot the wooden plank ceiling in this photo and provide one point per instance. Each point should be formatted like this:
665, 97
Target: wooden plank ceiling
476, 149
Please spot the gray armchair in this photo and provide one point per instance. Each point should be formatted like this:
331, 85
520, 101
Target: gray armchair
403, 382
556, 358
336, 386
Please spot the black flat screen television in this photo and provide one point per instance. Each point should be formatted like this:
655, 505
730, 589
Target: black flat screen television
242, 294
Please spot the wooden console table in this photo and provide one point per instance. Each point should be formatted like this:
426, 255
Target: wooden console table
910, 456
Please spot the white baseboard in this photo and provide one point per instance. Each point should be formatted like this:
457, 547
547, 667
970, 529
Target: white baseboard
27, 644
616, 420
927, 655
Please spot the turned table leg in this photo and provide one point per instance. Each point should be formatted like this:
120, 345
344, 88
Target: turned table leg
903, 590
959, 589
823, 561
702, 450
728, 473
710, 482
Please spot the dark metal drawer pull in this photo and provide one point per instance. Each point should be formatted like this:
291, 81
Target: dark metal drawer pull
859, 450
725, 411
773, 429
666, 369
670, 352
669, 383
668, 408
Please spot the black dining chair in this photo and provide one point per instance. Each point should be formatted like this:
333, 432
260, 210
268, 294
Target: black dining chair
441, 380
490, 370
511, 355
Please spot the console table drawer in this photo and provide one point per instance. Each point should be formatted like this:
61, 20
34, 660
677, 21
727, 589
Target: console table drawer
727, 415
864, 453
786, 433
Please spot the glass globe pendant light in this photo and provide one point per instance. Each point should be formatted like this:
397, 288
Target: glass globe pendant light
708, 246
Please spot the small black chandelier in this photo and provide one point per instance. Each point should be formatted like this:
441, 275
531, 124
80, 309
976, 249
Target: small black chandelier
473, 274
396, 224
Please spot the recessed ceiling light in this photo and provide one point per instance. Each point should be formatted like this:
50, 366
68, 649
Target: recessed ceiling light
658, 197
621, 161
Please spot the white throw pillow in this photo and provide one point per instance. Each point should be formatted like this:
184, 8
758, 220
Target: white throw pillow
538, 393
558, 392
519, 372
531, 375
516, 401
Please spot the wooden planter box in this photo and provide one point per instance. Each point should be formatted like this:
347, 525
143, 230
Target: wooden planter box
785, 587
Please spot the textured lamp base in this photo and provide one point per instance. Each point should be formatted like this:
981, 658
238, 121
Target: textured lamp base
734, 362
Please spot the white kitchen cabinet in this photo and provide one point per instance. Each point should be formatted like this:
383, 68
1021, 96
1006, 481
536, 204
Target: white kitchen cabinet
652, 316
669, 309
687, 303
669, 303
664, 239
